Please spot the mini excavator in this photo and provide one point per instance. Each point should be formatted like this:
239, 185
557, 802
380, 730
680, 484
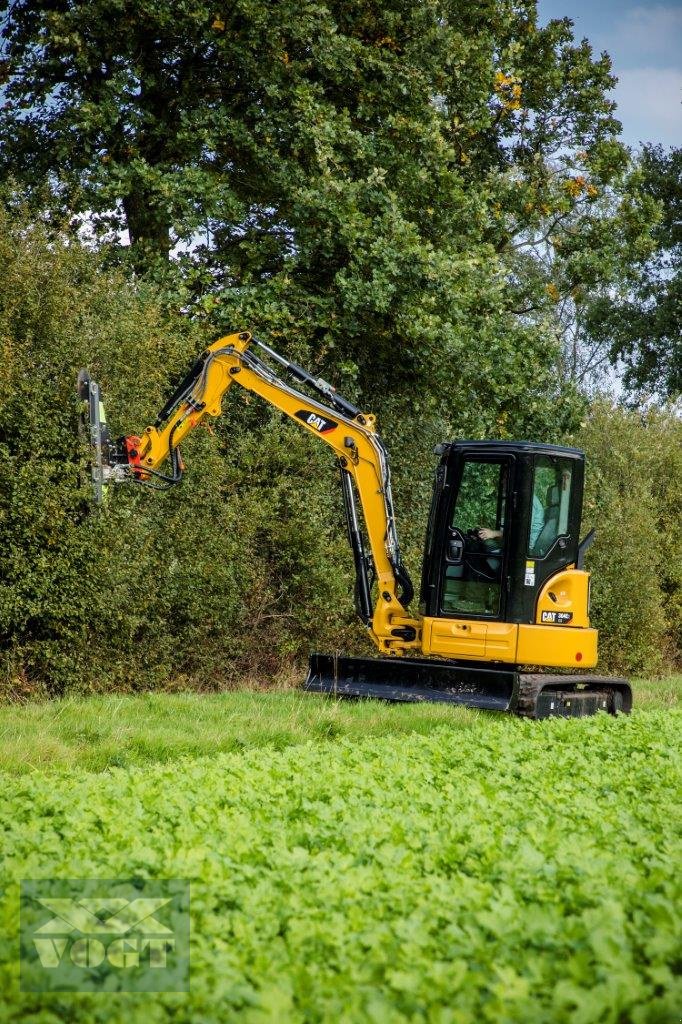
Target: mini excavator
504, 592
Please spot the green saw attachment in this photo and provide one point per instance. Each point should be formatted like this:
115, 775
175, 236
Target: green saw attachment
93, 430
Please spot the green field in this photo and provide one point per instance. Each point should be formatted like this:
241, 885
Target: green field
363, 862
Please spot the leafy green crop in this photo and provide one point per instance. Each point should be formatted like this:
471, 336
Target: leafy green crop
495, 870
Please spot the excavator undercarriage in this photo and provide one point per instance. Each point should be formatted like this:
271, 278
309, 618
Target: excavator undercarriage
487, 687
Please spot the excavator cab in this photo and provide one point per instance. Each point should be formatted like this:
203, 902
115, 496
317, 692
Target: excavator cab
503, 592
505, 518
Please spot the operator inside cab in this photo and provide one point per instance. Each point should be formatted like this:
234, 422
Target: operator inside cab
551, 492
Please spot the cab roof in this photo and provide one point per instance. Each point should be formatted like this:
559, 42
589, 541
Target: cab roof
509, 447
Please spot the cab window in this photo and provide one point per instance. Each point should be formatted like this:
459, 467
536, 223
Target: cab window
472, 573
551, 500
480, 498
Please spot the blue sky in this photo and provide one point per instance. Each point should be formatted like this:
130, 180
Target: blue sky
644, 41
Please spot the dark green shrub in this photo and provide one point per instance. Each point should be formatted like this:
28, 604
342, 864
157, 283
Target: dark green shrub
242, 567
633, 498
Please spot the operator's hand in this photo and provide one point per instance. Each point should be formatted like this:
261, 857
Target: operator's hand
485, 534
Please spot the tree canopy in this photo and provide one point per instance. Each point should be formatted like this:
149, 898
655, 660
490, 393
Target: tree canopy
354, 176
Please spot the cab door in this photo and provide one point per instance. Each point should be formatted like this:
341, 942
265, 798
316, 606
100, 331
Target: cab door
477, 532
553, 525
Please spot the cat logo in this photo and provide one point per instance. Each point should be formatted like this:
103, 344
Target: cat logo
558, 618
319, 423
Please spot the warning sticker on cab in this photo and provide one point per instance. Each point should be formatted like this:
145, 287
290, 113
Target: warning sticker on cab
529, 578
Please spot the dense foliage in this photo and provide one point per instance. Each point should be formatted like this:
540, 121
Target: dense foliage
246, 566
633, 498
493, 870
410, 198
153, 588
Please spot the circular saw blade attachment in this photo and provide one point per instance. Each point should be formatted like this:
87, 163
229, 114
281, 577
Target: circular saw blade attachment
94, 432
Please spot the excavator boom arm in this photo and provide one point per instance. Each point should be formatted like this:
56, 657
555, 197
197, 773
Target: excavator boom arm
361, 455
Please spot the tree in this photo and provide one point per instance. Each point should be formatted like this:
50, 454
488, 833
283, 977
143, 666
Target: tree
351, 176
588, 249
195, 587
642, 322
632, 496
363, 180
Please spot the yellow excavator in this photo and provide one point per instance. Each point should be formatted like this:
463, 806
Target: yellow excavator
504, 591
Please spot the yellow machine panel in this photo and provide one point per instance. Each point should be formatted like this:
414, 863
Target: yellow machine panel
553, 646
557, 646
501, 640
470, 638
564, 599
454, 638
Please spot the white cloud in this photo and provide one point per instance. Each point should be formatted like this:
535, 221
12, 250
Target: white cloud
650, 105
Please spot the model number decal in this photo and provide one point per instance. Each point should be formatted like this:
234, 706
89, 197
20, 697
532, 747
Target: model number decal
557, 617
313, 419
